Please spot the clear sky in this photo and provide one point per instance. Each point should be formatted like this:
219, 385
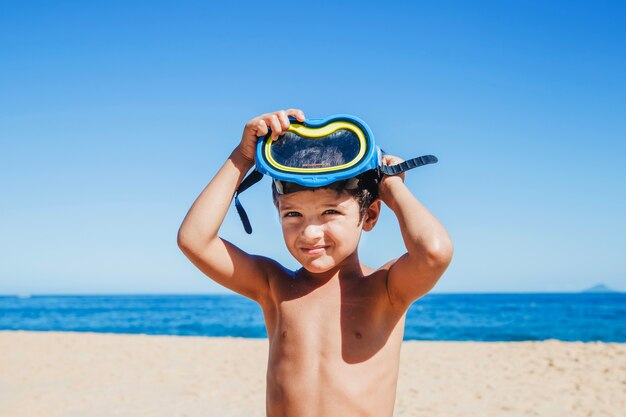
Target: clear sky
115, 115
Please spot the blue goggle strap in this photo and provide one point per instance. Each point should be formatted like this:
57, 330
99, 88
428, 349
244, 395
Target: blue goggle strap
408, 164
254, 177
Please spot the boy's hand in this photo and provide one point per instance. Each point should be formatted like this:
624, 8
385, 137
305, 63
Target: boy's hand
278, 121
388, 181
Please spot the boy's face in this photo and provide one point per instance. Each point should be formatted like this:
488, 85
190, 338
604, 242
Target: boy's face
321, 228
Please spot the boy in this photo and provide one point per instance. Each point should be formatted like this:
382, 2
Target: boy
335, 326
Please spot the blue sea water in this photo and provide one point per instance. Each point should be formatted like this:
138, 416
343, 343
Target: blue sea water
477, 317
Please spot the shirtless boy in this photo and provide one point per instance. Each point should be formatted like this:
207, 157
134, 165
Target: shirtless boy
335, 326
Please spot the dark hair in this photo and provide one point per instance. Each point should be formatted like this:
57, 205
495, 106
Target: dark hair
365, 193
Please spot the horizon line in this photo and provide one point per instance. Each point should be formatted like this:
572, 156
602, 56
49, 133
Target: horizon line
26, 295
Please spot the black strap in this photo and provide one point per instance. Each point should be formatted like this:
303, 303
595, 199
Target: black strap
409, 164
254, 177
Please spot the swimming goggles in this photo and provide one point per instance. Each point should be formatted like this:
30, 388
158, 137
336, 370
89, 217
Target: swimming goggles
319, 152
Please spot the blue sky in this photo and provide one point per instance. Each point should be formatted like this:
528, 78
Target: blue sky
115, 115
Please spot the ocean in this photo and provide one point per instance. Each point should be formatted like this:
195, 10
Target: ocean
461, 317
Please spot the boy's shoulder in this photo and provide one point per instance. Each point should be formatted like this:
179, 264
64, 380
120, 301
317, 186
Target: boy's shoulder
274, 268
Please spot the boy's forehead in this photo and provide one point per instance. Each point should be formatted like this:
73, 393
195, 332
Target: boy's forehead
321, 196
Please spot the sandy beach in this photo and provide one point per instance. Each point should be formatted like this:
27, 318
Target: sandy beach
50, 374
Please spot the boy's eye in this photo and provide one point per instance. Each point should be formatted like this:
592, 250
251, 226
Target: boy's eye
296, 214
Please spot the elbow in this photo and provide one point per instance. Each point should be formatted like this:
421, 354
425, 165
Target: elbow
181, 241
440, 251
189, 241
184, 240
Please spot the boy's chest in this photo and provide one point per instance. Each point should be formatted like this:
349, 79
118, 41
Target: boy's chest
350, 324
326, 306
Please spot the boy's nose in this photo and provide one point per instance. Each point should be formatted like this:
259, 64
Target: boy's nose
313, 231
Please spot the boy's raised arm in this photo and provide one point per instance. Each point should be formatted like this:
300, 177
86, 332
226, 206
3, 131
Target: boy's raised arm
429, 247
198, 236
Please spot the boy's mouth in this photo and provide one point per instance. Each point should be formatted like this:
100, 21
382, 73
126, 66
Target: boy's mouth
312, 250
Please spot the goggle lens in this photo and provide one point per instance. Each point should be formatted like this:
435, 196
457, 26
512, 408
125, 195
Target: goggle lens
295, 151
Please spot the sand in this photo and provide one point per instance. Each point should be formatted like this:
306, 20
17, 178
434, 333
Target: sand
91, 375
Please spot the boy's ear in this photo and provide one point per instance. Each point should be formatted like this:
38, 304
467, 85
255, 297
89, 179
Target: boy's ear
371, 216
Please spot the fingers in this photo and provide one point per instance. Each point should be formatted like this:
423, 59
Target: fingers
391, 159
394, 160
297, 113
257, 126
283, 119
279, 122
261, 127
274, 124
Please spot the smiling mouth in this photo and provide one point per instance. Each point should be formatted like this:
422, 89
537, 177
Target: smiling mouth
314, 249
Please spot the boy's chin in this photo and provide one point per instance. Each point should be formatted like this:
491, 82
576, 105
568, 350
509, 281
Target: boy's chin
320, 268
316, 268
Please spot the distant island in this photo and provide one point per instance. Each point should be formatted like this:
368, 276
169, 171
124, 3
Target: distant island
600, 288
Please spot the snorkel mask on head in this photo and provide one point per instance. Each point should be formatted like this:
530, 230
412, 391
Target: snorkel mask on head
319, 152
